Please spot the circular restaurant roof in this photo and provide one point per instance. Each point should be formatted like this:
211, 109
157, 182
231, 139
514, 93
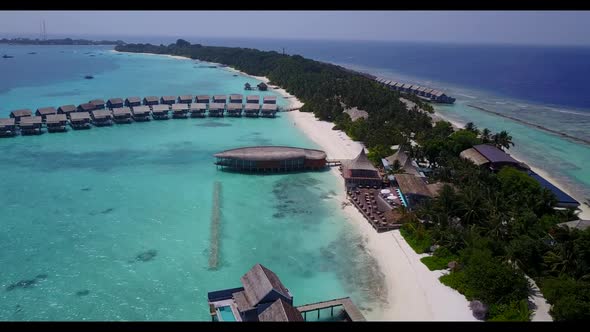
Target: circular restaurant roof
267, 153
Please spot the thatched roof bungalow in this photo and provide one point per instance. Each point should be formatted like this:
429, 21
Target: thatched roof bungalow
160, 112
360, 171
101, 117
413, 188
216, 109
80, 120
220, 99
180, 111
252, 110
269, 110
236, 99
198, 110
234, 110
86, 107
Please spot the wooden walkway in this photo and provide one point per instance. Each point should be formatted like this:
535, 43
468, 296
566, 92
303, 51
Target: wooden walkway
333, 162
351, 310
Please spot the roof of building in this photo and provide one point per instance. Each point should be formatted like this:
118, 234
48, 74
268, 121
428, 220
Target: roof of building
216, 106
198, 106
160, 108
74, 116
411, 184
576, 224
185, 97
561, 196
124, 110
46, 111
97, 102
30, 120
262, 84
168, 98
151, 98
269, 98
21, 113
236, 96
242, 302
494, 155
101, 114
280, 311
269, 107
115, 101
56, 118
133, 100
253, 97
267, 153
220, 97
259, 282
67, 108
180, 107
234, 106
141, 109
252, 107
360, 162
202, 97
87, 107
475, 157
7, 122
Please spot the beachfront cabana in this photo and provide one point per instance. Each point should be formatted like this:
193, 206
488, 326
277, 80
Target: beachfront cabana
115, 103
180, 111
269, 110
216, 109
43, 112
80, 120
150, 100
56, 122
168, 100
252, 110
141, 113
202, 99
30, 125
122, 114
360, 171
132, 101
262, 86
101, 118
7, 127
19, 114
160, 112
234, 110
413, 188
86, 107
236, 99
253, 100
97, 103
66, 109
198, 110
220, 99
185, 99
269, 100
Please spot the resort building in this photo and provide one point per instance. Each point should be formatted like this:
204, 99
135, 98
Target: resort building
56, 122
167, 100
220, 99
66, 109
252, 110
489, 156
45, 111
97, 103
269, 100
180, 111
271, 159
413, 189
160, 112
262, 86
186, 99
7, 127
86, 107
402, 161
150, 101
202, 99
234, 110
253, 100
123, 114
360, 171
198, 110
115, 103
269, 110
216, 110
422, 92
19, 114
80, 120
563, 200
263, 297
141, 113
579, 224
236, 99
132, 101
101, 118
30, 125
247, 86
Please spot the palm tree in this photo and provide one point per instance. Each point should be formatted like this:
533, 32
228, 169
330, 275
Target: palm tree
503, 140
471, 127
486, 136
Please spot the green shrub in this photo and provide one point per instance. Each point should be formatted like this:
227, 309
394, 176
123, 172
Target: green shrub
514, 311
570, 298
419, 239
439, 260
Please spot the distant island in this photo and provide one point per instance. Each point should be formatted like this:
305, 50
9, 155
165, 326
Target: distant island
63, 41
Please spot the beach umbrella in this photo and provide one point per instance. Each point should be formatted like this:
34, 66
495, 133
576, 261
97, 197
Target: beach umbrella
385, 191
391, 197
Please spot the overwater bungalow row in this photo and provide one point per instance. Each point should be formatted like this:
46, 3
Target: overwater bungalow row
423, 92
132, 101
198, 110
122, 115
252, 110
102, 118
234, 110
160, 112
269, 110
97, 103
180, 111
31, 125
43, 112
115, 103
80, 120
7, 127
56, 122
141, 113
216, 109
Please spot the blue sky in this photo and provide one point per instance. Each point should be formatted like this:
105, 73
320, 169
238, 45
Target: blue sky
515, 27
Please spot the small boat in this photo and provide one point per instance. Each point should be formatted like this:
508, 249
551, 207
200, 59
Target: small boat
32, 53
7, 56
88, 77
235, 75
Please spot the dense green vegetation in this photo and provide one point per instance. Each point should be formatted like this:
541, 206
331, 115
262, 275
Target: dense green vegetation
440, 259
497, 226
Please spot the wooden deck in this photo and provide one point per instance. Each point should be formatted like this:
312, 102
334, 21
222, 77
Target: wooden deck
351, 310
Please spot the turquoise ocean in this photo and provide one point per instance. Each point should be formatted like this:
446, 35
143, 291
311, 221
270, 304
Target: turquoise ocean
114, 223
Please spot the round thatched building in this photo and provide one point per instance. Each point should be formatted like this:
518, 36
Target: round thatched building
271, 159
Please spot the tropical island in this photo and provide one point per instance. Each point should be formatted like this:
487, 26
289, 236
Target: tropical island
62, 41
499, 232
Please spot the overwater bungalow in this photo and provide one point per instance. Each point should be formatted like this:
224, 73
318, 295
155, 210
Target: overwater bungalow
123, 115
44, 111
56, 122
30, 125
269, 100
216, 110
360, 171
102, 118
115, 103
220, 99
180, 111
253, 100
168, 100
271, 159
263, 297
269, 110
7, 127
413, 189
252, 110
19, 114
202, 99
80, 120
234, 110
247, 86
150, 100
97, 103
198, 110
262, 86
66, 109
141, 113
86, 107
186, 99
160, 112
236, 99
132, 101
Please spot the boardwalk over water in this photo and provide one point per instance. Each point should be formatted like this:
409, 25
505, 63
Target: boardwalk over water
351, 310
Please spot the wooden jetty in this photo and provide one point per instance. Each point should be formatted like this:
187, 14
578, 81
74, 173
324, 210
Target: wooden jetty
352, 312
